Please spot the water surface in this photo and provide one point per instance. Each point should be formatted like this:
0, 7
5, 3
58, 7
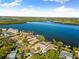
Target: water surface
69, 34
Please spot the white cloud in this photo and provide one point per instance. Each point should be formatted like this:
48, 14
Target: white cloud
59, 1
57, 12
65, 12
12, 4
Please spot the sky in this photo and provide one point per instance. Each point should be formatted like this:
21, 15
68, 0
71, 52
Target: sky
39, 8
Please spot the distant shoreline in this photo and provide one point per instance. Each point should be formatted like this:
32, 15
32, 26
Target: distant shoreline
67, 23
21, 20
5, 23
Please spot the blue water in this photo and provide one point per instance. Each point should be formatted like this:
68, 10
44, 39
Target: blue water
69, 34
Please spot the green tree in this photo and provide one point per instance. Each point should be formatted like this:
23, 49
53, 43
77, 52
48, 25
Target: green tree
60, 44
0, 30
52, 54
36, 56
25, 42
73, 52
54, 41
38, 48
40, 37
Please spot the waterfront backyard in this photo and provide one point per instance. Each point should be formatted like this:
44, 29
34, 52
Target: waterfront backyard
18, 44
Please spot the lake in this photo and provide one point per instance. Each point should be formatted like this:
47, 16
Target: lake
69, 34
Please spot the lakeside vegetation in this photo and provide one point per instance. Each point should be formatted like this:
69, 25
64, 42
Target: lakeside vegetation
19, 20
53, 19
10, 21
72, 21
6, 46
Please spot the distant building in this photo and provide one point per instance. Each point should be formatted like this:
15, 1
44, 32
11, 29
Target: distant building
41, 46
51, 46
77, 54
12, 30
32, 39
7, 34
65, 55
4, 30
15, 38
12, 55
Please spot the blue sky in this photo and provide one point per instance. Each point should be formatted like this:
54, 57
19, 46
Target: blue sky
40, 8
